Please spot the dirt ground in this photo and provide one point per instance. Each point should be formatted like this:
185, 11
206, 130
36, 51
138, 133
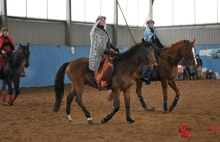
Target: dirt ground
31, 118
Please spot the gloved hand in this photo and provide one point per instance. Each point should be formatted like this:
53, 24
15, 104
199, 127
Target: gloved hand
117, 50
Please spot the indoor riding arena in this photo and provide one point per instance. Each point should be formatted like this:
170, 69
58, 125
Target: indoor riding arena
58, 32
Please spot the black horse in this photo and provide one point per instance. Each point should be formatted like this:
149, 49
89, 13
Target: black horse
11, 71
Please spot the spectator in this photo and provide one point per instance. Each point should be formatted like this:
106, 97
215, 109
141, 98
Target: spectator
199, 67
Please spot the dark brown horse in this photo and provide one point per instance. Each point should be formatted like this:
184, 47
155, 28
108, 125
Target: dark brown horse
79, 75
169, 59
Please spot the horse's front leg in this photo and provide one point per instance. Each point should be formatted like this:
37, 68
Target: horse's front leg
116, 104
4, 91
172, 84
139, 92
164, 87
127, 104
140, 97
10, 92
17, 90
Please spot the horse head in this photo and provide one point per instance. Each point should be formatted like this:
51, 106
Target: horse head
148, 54
24, 54
188, 53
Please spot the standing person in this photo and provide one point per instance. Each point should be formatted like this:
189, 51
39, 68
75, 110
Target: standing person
148, 34
185, 66
199, 67
101, 47
7, 46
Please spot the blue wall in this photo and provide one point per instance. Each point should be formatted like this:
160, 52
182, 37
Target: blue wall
45, 60
208, 62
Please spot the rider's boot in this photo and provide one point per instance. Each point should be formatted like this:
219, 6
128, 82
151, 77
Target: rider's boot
22, 71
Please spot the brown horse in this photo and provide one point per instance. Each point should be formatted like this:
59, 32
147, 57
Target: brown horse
169, 58
79, 75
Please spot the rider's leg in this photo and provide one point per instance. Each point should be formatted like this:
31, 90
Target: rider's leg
22, 71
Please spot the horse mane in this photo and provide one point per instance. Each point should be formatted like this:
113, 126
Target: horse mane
131, 51
177, 43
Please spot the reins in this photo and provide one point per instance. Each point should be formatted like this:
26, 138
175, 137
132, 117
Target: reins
145, 58
12, 58
187, 58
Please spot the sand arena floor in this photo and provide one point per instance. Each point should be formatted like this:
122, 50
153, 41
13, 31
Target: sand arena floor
31, 118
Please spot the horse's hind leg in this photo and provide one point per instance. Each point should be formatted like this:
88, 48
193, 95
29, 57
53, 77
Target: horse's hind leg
172, 84
70, 97
80, 103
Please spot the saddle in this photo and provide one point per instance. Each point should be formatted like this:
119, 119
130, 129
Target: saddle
108, 69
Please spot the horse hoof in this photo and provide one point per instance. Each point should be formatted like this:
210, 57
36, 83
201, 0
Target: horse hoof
90, 120
69, 118
5, 103
10, 104
131, 121
171, 108
103, 121
150, 108
166, 112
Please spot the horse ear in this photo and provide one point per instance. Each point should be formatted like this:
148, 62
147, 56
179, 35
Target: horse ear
27, 44
20, 44
194, 40
143, 40
151, 40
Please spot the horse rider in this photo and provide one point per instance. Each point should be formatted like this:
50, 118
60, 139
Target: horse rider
101, 47
7, 46
199, 67
150, 33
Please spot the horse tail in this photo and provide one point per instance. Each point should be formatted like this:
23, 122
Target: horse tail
110, 96
59, 86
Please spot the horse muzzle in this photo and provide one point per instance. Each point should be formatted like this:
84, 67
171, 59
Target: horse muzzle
153, 65
25, 64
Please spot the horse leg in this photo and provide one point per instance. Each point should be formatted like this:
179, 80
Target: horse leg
164, 87
4, 91
10, 92
116, 104
172, 84
140, 97
17, 90
70, 97
139, 92
80, 103
127, 105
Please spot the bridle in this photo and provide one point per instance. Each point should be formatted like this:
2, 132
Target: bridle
185, 49
146, 61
